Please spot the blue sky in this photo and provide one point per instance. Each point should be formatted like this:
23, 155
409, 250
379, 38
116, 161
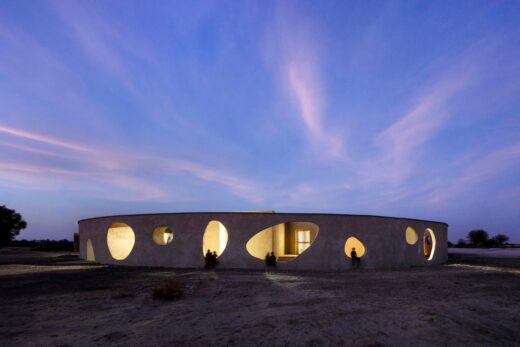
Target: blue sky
407, 109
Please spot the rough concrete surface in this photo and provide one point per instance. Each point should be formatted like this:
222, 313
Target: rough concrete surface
383, 239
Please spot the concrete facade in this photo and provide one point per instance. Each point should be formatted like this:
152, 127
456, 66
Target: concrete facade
384, 239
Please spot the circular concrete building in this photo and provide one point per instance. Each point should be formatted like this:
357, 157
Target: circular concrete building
241, 240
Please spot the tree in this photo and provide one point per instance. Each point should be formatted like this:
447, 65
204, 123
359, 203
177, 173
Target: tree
11, 223
501, 239
478, 238
461, 243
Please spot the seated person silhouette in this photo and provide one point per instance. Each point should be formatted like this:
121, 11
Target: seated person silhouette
272, 259
214, 261
207, 259
356, 261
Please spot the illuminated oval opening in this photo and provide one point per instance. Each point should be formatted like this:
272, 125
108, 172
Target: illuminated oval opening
215, 238
162, 235
429, 243
353, 244
90, 251
411, 236
286, 240
120, 240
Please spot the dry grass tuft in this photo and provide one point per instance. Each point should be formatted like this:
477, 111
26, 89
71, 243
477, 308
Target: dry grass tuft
170, 290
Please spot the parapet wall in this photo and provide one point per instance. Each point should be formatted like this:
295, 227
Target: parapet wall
383, 238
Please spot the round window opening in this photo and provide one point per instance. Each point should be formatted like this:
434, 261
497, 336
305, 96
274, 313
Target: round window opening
162, 235
215, 238
354, 247
284, 241
429, 243
411, 236
120, 240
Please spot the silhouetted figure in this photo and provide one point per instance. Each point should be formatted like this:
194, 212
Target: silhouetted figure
207, 259
272, 260
214, 261
356, 261
267, 260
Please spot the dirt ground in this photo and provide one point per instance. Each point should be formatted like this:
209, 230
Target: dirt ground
56, 299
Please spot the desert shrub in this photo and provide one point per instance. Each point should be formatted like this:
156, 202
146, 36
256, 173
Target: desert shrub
461, 243
501, 239
478, 238
170, 290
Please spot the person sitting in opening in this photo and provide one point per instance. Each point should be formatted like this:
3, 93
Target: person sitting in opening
214, 260
270, 260
356, 261
207, 259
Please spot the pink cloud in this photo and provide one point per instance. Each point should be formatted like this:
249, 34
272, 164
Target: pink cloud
304, 85
293, 50
43, 138
97, 169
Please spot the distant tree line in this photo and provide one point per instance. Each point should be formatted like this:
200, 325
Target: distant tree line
480, 238
45, 245
11, 223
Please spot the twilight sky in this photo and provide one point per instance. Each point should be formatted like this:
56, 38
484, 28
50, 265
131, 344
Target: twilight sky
407, 109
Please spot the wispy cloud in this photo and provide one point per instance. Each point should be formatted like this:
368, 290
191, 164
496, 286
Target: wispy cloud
486, 167
96, 36
103, 166
293, 47
400, 145
304, 85
43, 138
240, 186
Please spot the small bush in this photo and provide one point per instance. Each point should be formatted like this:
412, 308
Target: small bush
170, 290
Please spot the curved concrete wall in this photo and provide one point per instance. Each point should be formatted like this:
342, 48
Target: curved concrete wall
383, 237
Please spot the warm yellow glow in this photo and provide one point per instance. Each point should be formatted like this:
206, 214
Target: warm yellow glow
304, 240
286, 240
215, 238
411, 236
162, 235
429, 243
353, 242
120, 240
90, 251
261, 243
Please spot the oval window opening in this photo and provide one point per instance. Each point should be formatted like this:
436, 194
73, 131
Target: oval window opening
162, 235
286, 240
215, 238
354, 245
120, 240
90, 251
429, 243
411, 236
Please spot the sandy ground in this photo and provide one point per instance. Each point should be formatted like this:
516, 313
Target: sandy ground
470, 301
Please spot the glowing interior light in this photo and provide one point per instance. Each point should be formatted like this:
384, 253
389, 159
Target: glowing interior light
353, 242
215, 238
286, 240
120, 240
411, 236
162, 235
90, 251
429, 243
